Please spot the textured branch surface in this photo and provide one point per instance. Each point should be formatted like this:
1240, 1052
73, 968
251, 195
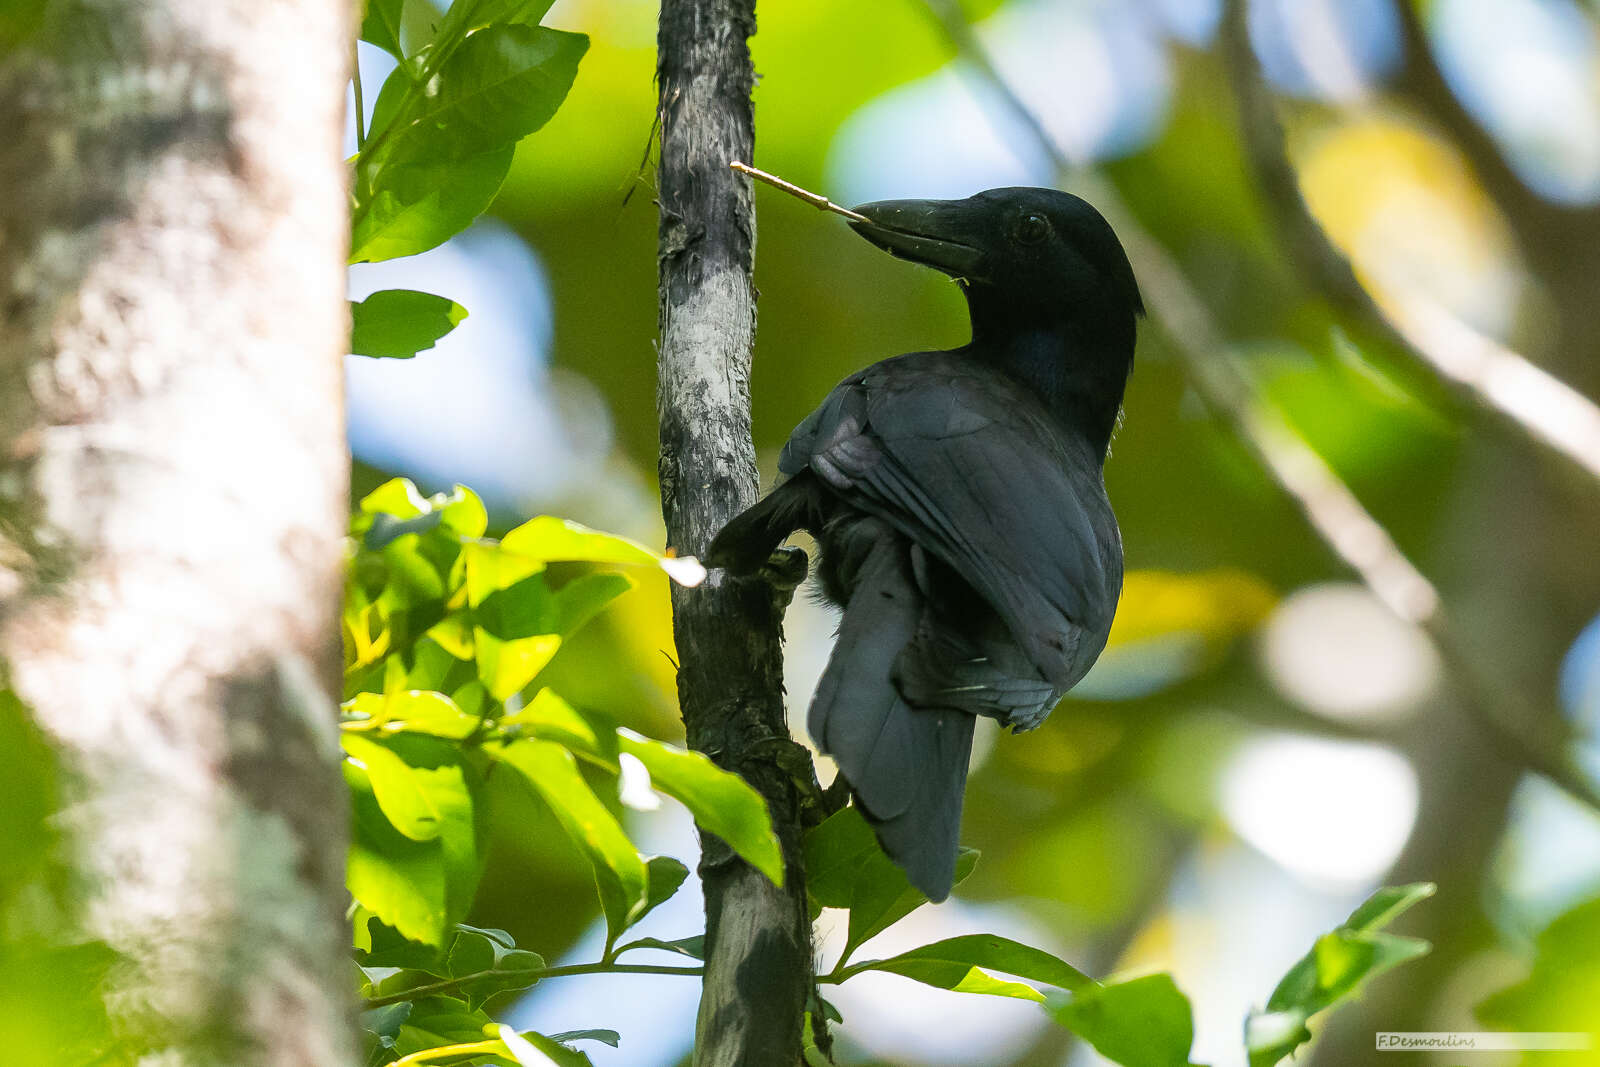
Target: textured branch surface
730, 685
173, 486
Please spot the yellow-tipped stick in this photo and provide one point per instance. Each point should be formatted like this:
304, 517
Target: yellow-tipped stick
816, 200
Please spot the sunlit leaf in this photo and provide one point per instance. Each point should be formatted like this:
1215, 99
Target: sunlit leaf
397, 497
504, 667
550, 718
400, 792
721, 802
463, 512
536, 1050
549, 538
401, 881
419, 711
620, 873
399, 323
499, 85
1143, 1022
1336, 968
490, 570
417, 206
1562, 991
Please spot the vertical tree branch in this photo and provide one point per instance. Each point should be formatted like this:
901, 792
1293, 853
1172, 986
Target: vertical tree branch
173, 490
730, 685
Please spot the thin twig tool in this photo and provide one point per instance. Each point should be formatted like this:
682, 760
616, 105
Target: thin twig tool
816, 200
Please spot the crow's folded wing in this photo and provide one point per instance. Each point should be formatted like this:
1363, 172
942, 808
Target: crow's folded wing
970, 466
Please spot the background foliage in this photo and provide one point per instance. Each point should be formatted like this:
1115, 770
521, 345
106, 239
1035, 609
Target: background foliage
1262, 744
1191, 850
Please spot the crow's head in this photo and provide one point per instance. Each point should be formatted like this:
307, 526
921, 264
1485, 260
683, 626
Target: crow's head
1032, 255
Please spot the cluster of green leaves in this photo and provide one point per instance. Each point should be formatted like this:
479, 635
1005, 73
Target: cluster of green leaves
468, 85
1143, 1021
446, 632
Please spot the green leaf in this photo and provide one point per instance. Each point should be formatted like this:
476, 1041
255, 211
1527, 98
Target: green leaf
399, 323
535, 1050
509, 596
1562, 988
550, 718
400, 792
620, 874
439, 1021
431, 664
383, 1023
605, 1037
583, 598
412, 207
465, 16
664, 876
381, 26
499, 85
401, 881
944, 963
1338, 965
845, 868
504, 667
463, 512
419, 711
397, 497
1143, 1022
493, 962
550, 539
490, 570
437, 158
1387, 905
693, 947
722, 803
387, 948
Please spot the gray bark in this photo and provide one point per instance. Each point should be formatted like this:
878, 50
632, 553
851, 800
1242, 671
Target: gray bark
730, 685
173, 491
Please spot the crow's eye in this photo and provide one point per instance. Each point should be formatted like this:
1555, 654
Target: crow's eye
1033, 229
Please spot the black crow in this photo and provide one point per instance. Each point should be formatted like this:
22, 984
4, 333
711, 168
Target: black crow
959, 503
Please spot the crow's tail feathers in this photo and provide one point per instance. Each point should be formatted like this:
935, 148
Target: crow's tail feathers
906, 765
750, 537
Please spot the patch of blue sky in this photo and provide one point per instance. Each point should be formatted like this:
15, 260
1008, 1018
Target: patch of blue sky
1529, 70
1096, 75
1327, 49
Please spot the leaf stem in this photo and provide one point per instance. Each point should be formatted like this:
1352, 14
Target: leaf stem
361, 107
451, 985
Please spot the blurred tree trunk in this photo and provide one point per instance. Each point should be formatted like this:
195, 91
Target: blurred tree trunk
730, 681
173, 490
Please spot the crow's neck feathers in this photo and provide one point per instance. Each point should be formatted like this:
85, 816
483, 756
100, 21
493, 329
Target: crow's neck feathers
1078, 366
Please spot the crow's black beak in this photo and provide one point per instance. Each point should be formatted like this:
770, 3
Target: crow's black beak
932, 232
